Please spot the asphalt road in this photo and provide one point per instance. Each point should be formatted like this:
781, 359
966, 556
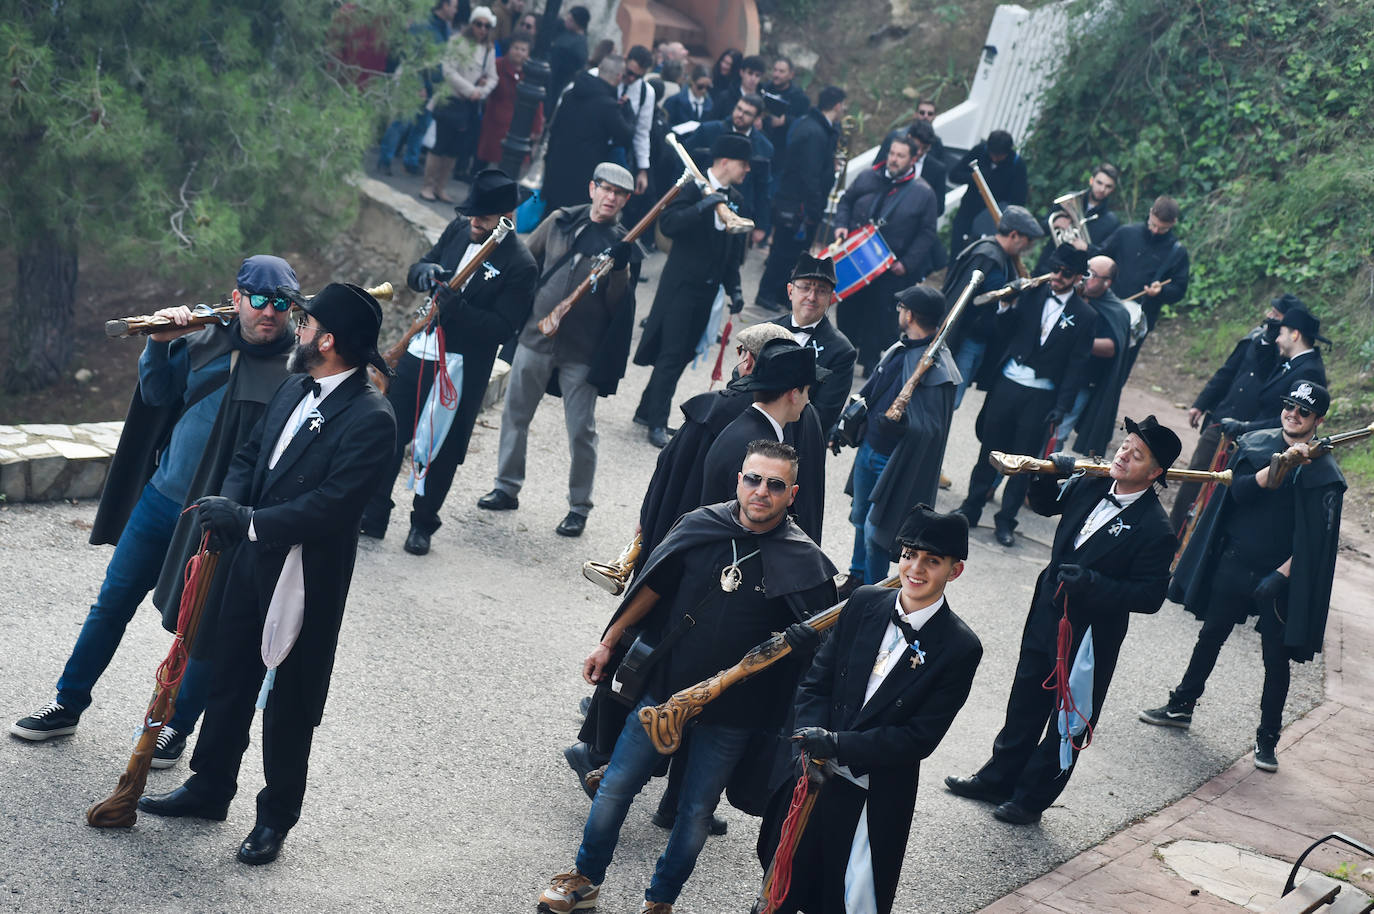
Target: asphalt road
437, 780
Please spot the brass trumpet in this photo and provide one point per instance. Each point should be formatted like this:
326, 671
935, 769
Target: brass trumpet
223, 313
1013, 464
613, 577
735, 224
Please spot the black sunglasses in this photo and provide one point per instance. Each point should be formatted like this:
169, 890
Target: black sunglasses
257, 301
775, 486
1302, 410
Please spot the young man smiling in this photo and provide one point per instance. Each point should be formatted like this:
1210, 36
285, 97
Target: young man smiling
913, 662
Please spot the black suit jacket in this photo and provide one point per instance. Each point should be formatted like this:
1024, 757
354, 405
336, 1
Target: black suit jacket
1064, 356
1280, 383
1129, 558
314, 497
900, 725
833, 352
478, 320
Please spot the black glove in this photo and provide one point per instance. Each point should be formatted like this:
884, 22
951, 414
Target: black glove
1272, 586
1076, 578
1064, 464
1271, 330
709, 202
226, 520
835, 440
427, 276
1233, 428
736, 304
801, 637
620, 254
1054, 416
817, 742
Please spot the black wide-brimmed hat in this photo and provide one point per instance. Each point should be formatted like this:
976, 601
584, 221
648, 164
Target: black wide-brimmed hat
927, 529
809, 267
1313, 396
782, 365
1163, 443
1305, 322
493, 193
353, 316
732, 146
1070, 258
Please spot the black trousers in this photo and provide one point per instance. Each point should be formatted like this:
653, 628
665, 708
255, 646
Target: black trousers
656, 403
1025, 755
287, 728
1231, 605
414, 377
1012, 421
1188, 491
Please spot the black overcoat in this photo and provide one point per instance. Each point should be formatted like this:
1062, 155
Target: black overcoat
483, 316
585, 125
702, 259
1233, 390
1097, 424
836, 354
885, 738
314, 497
1279, 383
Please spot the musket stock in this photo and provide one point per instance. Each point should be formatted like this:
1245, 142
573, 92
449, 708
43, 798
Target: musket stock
663, 723
202, 314
1012, 288
735, 224
1280, 464
1015, 464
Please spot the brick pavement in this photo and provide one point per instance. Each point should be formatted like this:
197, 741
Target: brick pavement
1325, 783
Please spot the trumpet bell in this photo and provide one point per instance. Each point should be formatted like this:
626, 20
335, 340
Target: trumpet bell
609, 578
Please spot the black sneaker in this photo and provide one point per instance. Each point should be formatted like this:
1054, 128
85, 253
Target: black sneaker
51, 720
1174, 714
1265, 757
170, 745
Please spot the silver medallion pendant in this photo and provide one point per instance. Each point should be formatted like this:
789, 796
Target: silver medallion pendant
730, 578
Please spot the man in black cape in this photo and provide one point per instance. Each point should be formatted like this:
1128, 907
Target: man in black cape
200, 392
288, 524
726, 578
1263, 551
1110, 558
913, 661
1094, 409
898, 463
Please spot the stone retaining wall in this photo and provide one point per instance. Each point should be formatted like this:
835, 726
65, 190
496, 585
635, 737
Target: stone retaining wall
54, 462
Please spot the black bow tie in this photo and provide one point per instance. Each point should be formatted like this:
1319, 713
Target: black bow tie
311, 386
795, 329
1112, 498
903, 626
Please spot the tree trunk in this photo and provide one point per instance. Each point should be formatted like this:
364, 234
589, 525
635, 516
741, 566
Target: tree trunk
40, 334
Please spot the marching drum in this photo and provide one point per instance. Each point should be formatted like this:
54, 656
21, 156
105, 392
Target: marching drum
862, 257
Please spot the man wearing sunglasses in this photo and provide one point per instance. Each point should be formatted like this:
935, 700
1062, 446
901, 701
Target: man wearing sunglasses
1265, 548
726, 577
200, 392
1043, 345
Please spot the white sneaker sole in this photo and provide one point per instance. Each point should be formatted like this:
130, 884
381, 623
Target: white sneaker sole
164, 762
38, 736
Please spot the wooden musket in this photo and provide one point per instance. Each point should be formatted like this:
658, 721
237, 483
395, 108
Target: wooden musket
995, 212
428, 309
1142, 291
1280, 464
1014, 464
899, 405
1012, 288
735, 224
601, 268
613, 576
664, 722
223, 313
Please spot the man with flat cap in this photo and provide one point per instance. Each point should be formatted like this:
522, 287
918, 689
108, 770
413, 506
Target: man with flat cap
704, 258
200, 392
585, 358
287, 524
1110, 558
810, 295
467, 328
913, 662
1233, 392
1036, 365
898, 462
1266, 548
995, 255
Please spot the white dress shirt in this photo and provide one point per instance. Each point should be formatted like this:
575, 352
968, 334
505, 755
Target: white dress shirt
894, 642
804, 333
640, 98
1103, 513
426, 345
715, 184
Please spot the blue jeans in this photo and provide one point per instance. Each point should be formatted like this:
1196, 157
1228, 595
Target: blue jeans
969, 359
130, 576
715, 751
411, 134
870, 557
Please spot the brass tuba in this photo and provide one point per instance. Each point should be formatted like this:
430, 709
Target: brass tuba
1076, 230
